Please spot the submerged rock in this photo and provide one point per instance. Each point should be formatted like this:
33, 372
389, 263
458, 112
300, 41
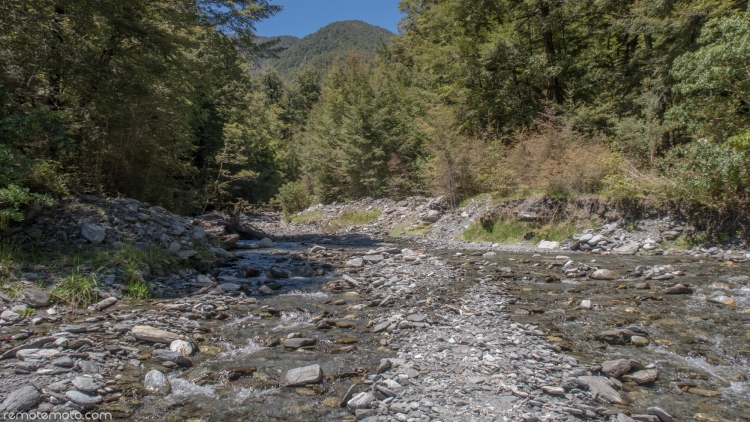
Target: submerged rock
156, 382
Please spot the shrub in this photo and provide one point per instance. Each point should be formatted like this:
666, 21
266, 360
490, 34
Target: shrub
708, 174
293, 198
12, 198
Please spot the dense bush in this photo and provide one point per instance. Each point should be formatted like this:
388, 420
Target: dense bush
293, 198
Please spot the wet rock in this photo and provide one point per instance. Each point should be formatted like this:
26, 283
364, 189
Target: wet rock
305, 375
156, 382
154, 335
621, 417
385, 364
660, 413
106, 303
36, 298
94, 233
228, 287
678, 289
360, 401
21, 399
165, 355
381, 327
83, 399
85, 384
266, 243
277, 272
265, 290
296, 343
603, 275
643, 377
615, 368
614, 336
601, 387
182, 347
639, 341
724, 300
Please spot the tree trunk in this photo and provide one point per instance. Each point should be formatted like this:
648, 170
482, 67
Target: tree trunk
555, 92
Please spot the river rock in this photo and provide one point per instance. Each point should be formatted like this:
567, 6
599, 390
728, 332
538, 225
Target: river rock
83, 399
615, 368
621, 417
36, 298
355, 262
546, 244
603, 275
167, 355
21, 400
373, 259
154, 335
182, 347
639, 341
360, 401
724, 300
553, 390
85, 384
157, 382
265, 290
10, 316
266, 243
601, 387
94, 233
305, 375
659, 412
614, 336
106, 303
646, 376
678, 289
629, 249
381, 327
187, 254
296, 343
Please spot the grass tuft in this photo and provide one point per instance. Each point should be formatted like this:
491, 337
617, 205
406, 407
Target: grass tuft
137, 290
77, 289
356, 218
306, 217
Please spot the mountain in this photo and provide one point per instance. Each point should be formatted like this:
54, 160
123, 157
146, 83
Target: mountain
285, 41
321, 48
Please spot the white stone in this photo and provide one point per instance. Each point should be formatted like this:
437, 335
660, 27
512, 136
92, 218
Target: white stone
545, 244
182, 347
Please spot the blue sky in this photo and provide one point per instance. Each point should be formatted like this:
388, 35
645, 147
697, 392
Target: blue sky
303, 17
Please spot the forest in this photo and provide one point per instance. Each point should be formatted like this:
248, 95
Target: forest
176, 102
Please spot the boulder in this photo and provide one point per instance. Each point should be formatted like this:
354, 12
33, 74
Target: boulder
629, 249
615, 368
21, 400
646, 376
10, 316
83, 399
601, 387
94, 233
360, 401
266, 243
182, 347
678, 289
157, 382
35, 298
296, 343
154, 335
603, 275
304, 375
545, 244
165, 355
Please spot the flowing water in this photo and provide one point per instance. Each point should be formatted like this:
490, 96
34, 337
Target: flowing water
700, 348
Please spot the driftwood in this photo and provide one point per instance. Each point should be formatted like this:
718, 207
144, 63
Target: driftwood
235, 227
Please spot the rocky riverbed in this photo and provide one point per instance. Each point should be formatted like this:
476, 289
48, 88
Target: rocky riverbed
352, 325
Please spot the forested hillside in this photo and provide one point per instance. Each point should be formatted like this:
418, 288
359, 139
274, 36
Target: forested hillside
622, 98
334, 41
